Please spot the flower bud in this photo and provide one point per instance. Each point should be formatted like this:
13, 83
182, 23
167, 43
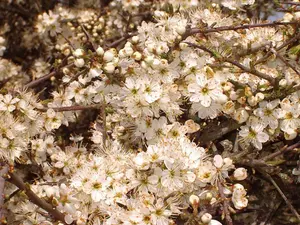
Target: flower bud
206, 218
108, 56
128, 51
290, 136
78, 52
194, 200
240, 173
135, 39
137, 56
283, 82
180, 30
79, 62
100, 51
218, 161
260, 96
109, 67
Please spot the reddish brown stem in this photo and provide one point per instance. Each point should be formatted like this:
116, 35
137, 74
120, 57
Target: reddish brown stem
16, 180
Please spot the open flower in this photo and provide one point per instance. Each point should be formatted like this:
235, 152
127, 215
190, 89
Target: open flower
254, 134
205, 91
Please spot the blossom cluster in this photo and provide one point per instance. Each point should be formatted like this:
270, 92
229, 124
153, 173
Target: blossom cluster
144, 90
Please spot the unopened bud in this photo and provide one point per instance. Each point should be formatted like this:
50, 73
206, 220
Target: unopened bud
206, 218
194, 200
100, 51
79, 62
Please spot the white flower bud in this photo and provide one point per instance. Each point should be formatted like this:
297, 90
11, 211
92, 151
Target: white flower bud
135, 39
214, 222
129, 51
137, 56
283, 82
206, 218
218, 161
180, 30
291, 135
240, 173
78, 52
128, 45
68, 219
109, 67
194, 200
66, 52
108, 56
260, 96
100, 51
79, 62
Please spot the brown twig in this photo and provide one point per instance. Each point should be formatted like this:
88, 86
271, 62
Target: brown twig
269, 177
234, 62
193, 31
287, 63
3, 171
45, 77
281, 151
88, 37
288, 42
71, 108
214, 131
124, 38
16, 180
225, 204
103, 112
73, 78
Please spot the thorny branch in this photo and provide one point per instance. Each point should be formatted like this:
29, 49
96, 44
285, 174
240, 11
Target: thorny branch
281, 151
3, 171
193, 31
71, 108
16, 180
269, 177
234, 62
225, 204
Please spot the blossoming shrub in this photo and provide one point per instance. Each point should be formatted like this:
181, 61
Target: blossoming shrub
131, 121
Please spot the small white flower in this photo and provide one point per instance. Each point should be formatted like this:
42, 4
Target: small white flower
254, 134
